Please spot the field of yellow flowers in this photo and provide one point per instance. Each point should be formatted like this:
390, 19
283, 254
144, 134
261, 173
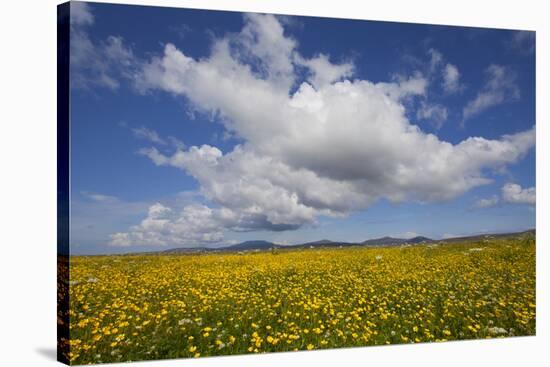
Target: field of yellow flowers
142, 307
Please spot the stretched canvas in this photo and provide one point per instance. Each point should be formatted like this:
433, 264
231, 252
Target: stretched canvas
233, 183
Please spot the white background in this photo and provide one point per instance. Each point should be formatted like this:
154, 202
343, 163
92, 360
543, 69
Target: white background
28, 181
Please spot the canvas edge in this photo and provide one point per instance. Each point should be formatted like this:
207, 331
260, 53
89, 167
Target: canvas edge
63, 181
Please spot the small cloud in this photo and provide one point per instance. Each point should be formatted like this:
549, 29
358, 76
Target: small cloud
81, 13
176, 143
436, 59
515, 194
181, 30
96, 63
99, 197
500, 87
406, 235
486, 203
435, 113
148, 134
510, 193
438, 67
451, 79
524, 41
155, 138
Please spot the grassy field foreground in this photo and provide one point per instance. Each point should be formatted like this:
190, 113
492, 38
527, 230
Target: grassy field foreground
150, 306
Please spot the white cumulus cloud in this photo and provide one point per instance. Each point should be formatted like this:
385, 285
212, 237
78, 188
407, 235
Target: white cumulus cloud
194, 224
333, 146
511, 193
514, 193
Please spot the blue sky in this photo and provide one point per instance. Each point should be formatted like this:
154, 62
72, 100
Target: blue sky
202, 128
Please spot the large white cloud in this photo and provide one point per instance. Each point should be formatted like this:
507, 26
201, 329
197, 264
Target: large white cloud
333, 146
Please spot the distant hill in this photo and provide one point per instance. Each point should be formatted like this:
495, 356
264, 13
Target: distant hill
383, 241
260, 245
484, 236
243, 246
186, 250
323, 243
252, 245
320, 243
389, 241
317, 243
419, 239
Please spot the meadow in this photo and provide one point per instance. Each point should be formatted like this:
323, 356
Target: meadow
140, 307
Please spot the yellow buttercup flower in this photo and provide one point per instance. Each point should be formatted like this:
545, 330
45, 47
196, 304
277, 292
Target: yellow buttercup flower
230, 303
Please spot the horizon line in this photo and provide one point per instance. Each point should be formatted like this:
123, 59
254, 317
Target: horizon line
227, 246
